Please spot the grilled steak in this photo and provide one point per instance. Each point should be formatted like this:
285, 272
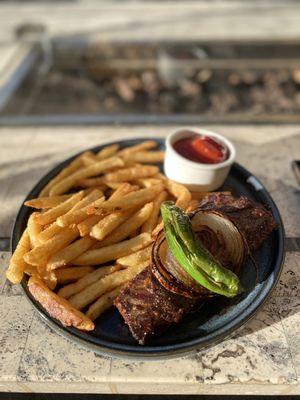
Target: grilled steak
148, 308
252, 219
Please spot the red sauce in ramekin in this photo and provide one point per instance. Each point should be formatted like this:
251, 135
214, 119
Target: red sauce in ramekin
202, 149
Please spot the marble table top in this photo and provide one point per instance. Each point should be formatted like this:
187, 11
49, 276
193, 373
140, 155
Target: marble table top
263, 357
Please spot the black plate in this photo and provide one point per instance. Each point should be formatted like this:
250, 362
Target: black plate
218, 318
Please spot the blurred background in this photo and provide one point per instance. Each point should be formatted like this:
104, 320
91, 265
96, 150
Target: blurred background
68, 62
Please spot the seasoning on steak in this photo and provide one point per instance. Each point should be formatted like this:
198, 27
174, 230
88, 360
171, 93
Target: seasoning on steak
253, 220
148, 308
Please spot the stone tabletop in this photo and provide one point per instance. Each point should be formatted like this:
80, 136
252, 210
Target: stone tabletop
263, 357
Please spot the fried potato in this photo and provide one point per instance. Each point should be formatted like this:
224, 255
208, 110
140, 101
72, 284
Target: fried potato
137, 258
34, 230
40, 254
145, 157
89, 158
71, 274
152, 221
87, 172
146, 145
107, 151
110, 222
73, 288
114, 251
106, 284
147, 182
134, 199
52, 230
47, 202
181, 193
17, 264
58, 307
103, 303
193, 204
68, 170
123, 189
157, 229
49, 216
87, 224
48, 277
92, 182
129, 226
77, 216
129, 174
69, 253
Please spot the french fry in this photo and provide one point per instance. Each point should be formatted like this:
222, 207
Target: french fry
17, 264
71, 274
80, 215
67, 254
146, 145
145, 157
123, 189
151, 222
34, 230
133, 259
160, 176
107, 151
193, 204
40, 254
109, 282
31, 270
49, 216
47, 202
88, 199
89, 158
113, 185
58, 307
147, 182
110, 222
49, 277
128, 226
87, 172
87, 224
49, 232
134, 199
68, 170
114, 251
103, 303
129, 174
92, 182
157, 229
76, 287
181, 193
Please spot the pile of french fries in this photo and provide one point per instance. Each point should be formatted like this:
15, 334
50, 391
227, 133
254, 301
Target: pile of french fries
92, 230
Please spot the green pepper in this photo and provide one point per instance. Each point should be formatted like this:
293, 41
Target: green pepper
194, 258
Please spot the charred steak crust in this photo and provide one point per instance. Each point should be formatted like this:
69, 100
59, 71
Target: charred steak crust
253, 220
148, 308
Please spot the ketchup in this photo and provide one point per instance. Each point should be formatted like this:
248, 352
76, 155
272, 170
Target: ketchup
202, 149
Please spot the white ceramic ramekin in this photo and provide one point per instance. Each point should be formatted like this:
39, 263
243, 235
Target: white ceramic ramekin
196, 176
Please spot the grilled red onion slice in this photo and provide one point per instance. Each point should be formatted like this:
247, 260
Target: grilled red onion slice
169, 272
218, 234
221, 237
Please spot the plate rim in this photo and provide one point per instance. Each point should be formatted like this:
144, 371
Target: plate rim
136, 351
